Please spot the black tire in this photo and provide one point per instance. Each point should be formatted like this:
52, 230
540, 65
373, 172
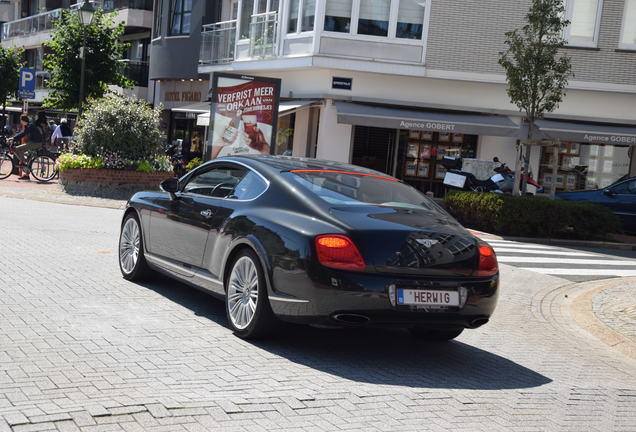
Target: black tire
263, 321
427, 334
140, 270
42, 168
6, 166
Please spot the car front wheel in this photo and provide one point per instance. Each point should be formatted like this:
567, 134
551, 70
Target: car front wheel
132, 261
246, 302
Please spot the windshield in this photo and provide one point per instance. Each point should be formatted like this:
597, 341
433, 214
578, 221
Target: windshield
349, 188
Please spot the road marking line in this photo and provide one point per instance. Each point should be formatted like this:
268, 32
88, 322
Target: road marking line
581, 272
542, 252
520, 246
581, 261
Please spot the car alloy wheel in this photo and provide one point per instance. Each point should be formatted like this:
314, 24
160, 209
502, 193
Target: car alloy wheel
131, 255
246, 300
242, 292
129, 245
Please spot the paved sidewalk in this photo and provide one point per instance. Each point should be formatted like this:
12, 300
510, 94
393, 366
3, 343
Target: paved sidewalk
51, 192
616, 308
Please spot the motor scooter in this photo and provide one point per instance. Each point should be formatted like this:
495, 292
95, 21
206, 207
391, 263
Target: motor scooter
457, 178
509, 177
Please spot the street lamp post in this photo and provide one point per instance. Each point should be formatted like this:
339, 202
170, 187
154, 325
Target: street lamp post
86, 13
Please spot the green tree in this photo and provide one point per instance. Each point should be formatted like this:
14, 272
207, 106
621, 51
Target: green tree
103, 50
535, 71
10, 63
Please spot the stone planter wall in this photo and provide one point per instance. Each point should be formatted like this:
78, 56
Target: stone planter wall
109, 183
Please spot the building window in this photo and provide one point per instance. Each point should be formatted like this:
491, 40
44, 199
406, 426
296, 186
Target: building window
628, 33
247, 9
374, 17
301, 16
585, 18
181, 17
158, 18
410, 21
338, 16
402, 19
309, 13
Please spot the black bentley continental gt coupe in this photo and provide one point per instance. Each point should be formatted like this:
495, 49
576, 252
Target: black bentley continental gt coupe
315, 242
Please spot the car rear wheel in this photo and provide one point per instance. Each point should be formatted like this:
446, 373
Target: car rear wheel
435, 334
246, 303
132, 262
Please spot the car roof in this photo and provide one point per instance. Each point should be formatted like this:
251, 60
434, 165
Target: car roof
288, 163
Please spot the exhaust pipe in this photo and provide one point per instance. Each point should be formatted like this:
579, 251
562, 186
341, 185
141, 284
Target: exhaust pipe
351, 319
478, 322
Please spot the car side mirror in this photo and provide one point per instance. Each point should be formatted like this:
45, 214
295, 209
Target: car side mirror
171, 186
609, 192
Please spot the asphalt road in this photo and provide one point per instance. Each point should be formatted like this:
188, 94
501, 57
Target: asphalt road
83, 349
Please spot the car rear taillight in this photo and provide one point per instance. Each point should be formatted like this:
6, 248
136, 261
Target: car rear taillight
487, 261
339, 252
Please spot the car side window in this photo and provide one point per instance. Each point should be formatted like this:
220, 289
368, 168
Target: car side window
628, 187
217, 182
251, 186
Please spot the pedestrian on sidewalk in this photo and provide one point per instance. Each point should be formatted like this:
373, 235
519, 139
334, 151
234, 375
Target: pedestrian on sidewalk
31, 138
62, 134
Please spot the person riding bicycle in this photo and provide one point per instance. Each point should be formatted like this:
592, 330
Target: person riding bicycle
32, 135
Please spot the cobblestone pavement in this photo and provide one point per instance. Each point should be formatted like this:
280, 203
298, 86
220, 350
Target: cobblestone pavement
11, 187
83, 349
616, 308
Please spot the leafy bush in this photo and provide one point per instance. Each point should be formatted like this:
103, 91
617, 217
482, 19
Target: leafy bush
113, 161
193, 164
69, 160
119, 125
531, 216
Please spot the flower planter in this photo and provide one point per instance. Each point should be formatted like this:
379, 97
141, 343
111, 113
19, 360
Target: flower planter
109, 183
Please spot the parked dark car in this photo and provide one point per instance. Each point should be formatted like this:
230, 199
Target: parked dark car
619, 197
313, 242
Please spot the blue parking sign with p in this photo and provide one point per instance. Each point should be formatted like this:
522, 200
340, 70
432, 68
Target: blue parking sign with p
26, 86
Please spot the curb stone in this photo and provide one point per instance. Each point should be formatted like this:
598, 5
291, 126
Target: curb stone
582, 311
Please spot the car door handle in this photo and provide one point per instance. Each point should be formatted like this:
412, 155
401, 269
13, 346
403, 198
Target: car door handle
207, 213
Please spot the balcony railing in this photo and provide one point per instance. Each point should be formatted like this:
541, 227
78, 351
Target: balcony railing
128, 4
263, 34
217, 42
44, 21
30, 25
136, 71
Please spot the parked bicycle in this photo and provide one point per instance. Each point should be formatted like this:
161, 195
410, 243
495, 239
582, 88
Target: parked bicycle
41, 164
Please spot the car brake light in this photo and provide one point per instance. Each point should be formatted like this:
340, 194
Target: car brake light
339, 252
487, 261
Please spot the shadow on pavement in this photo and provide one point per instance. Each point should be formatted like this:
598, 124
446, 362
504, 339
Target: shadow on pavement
370, 355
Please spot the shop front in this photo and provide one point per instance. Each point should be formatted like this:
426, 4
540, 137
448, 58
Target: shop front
183, 101
589, 156
410, 144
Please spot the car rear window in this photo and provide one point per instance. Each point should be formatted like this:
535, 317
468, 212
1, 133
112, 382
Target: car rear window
350, 188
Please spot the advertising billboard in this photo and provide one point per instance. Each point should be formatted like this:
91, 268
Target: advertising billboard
244, 115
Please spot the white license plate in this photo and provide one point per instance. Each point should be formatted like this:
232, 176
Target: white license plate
427, 297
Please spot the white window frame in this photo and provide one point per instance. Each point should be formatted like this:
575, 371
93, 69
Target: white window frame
299, 33
391, 35
621, 45
568, 16
239, 9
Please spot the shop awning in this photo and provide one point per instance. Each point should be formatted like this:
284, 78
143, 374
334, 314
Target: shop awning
396, 118
587, 133
284, 108
201, 107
